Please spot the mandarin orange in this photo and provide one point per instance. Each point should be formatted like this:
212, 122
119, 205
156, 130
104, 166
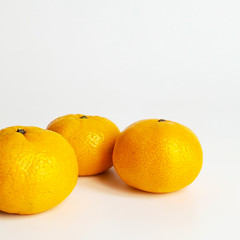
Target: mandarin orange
157, 156
92, 138
38, 169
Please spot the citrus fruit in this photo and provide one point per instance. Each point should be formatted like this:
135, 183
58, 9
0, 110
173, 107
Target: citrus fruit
157, 156
92, 138
38, 169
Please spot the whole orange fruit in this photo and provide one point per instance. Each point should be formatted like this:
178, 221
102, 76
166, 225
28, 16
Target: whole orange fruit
92, 138
38, 169
157, 156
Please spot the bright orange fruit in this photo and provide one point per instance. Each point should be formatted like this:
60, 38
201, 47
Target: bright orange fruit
92, 138
157, 156
38, 169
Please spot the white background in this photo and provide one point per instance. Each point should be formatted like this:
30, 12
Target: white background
129, 60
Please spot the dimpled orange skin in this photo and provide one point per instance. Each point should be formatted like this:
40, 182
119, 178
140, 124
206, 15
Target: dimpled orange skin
38, 170
157, 156
92, 138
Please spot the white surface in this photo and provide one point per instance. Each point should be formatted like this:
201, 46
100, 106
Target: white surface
129, 60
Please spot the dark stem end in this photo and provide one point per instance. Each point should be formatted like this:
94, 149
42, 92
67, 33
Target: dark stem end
83, 117
22, 131
161, 120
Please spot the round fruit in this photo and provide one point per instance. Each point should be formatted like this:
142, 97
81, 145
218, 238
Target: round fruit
38, 169
157, 156
92, 138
